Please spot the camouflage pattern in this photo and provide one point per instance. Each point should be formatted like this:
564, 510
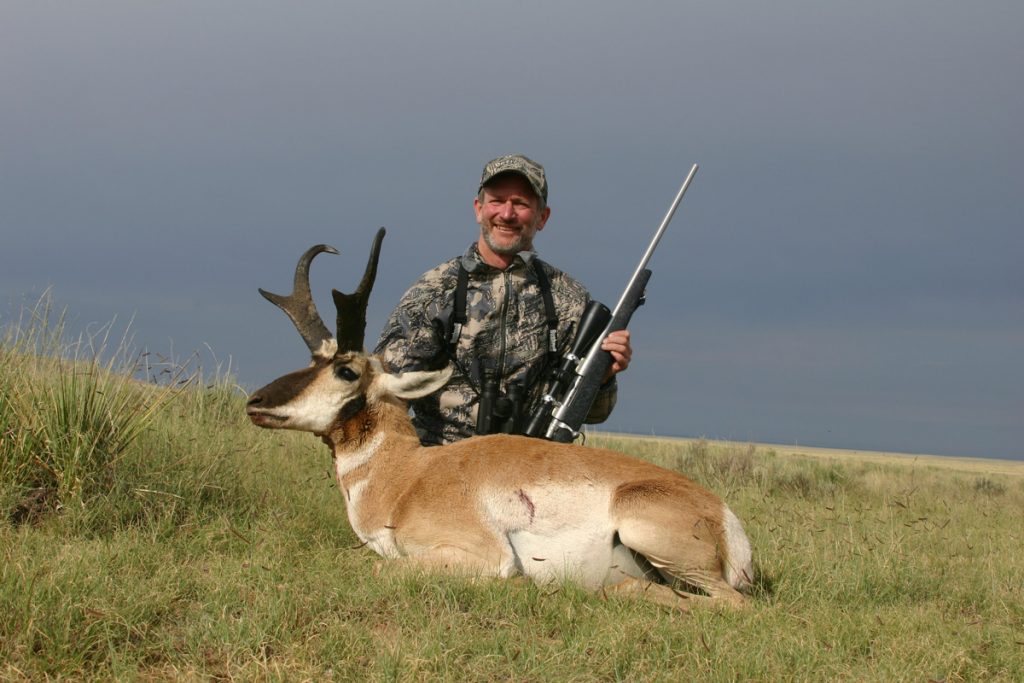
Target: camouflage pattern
506, 331
524, 166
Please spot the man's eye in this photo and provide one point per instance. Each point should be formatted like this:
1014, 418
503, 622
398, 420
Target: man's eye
346, 373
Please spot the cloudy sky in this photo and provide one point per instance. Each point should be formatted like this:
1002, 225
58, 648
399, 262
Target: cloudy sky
845, 270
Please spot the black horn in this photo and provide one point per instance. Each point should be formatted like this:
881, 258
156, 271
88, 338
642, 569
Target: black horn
299, 304
352, 307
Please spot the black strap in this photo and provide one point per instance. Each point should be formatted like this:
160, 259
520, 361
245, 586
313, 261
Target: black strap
549, 308
459, 317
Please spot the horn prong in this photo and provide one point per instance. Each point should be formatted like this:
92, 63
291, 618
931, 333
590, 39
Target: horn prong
352, 307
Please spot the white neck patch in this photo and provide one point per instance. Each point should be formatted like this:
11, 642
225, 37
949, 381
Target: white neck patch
347, 461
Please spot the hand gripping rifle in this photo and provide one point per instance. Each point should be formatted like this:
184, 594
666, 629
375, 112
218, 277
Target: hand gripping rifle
577, 379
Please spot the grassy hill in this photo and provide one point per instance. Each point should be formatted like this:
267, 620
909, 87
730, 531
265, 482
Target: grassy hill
149, 532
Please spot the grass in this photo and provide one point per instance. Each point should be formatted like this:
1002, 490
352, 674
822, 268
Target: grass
204, 548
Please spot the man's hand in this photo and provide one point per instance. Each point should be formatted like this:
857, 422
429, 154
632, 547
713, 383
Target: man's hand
617, 344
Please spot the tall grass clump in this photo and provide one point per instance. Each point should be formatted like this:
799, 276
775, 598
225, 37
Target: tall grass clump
69, 411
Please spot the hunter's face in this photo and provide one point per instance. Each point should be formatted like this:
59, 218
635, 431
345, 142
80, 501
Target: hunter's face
509, 215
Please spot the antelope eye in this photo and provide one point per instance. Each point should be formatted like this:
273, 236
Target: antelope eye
346, 373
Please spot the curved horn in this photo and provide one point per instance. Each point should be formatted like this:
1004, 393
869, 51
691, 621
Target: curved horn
299, 304
352, 307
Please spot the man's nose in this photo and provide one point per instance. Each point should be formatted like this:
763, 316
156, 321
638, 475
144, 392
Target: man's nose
508, 210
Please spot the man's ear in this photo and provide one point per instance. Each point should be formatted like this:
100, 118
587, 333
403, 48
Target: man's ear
544, 215
476, 208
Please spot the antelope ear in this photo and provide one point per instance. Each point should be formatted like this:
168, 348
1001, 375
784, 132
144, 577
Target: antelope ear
410, 385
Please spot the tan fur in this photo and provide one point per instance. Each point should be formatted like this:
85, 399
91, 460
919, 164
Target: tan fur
506, 505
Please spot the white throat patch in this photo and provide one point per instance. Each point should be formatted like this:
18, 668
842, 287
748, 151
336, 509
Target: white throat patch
348, 461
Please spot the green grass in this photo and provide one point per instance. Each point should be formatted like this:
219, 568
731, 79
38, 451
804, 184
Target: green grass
204, 548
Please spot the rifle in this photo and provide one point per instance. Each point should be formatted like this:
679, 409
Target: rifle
575, 382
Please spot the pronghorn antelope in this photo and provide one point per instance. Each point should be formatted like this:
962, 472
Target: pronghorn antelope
492, 505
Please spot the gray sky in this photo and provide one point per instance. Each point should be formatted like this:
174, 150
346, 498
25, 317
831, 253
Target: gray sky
845, 270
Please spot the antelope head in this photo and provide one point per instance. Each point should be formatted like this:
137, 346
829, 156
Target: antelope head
342, 378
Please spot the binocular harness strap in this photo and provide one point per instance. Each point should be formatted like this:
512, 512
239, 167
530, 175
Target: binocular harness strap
459, 316
549, 311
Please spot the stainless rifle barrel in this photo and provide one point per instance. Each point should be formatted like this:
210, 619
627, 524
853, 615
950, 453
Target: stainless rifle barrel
657, 235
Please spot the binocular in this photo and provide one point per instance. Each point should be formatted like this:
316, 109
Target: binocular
499, 413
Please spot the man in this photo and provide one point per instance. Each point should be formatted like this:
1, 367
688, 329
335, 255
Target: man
512, 305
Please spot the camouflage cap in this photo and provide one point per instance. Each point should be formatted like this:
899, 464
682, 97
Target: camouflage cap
517, 163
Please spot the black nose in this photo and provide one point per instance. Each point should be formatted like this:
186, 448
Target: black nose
255, 399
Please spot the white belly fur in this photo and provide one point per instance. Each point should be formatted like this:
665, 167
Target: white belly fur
556, 532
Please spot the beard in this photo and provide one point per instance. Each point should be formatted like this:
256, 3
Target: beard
521, 242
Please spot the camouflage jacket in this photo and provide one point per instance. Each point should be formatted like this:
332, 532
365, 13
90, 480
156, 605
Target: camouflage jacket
506, 332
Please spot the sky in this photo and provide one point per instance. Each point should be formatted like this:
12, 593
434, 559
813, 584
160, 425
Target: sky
845, 270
